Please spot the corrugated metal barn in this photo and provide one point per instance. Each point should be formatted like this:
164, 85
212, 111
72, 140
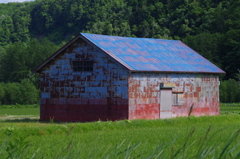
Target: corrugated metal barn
98, 77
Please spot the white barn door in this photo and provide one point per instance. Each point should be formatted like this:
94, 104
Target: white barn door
165, 103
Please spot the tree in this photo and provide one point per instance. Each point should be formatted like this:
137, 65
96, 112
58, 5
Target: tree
12, 93
29, 93
229, 91
231, 47
6, 30
208, 45
2, 54
2, 92
21, 21
21, 58
13, 66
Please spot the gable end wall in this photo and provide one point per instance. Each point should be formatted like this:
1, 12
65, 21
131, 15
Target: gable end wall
83, 96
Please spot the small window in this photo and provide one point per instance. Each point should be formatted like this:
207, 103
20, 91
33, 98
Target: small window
177, 99
80, 66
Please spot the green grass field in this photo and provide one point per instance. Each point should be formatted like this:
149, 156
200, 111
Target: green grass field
233, 108
193, 137
35, 111
20, 111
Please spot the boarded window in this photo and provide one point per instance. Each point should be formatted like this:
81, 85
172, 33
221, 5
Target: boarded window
80, 66
177, 99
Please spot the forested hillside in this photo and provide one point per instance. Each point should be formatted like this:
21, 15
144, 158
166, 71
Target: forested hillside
31, 31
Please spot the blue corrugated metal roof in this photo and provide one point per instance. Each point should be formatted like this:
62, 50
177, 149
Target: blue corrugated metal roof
145, 54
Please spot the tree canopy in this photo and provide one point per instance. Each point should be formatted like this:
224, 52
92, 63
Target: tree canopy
31, 31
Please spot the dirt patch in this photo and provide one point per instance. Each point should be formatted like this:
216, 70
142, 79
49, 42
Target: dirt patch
17, 117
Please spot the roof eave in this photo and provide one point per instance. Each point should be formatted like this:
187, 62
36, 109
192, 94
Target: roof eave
177, 72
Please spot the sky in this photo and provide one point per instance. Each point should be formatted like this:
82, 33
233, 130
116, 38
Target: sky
7, 1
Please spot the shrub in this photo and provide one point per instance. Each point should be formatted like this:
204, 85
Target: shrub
2, 92
29, 93
12, 93
230, 91
21, 93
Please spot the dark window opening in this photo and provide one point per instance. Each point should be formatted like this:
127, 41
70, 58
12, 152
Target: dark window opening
80, 66
177, 99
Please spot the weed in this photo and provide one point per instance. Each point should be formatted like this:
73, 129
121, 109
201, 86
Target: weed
9, 131
51, 120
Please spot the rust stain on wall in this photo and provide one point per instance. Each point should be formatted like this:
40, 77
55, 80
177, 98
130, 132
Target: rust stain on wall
199, 89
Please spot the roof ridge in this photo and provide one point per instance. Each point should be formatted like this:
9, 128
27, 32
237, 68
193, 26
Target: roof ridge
145, 54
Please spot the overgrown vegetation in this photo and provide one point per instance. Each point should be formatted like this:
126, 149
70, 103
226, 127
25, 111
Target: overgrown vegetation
24, 92
210, 27
230, 91
184, 137
187, 137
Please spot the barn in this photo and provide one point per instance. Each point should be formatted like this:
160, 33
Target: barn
99, 77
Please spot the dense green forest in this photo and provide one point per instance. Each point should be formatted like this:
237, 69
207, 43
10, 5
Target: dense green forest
31, 31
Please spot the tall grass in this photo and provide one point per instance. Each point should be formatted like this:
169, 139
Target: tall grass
19, 148
193, 137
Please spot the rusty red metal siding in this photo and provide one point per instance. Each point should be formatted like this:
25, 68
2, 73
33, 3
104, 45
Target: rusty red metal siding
83, 96
143, 96
199, 90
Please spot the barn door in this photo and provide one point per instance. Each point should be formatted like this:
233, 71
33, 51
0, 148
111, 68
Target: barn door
165, 103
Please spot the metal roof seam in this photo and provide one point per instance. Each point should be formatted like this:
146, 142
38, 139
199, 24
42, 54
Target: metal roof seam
108, 52
145, 54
